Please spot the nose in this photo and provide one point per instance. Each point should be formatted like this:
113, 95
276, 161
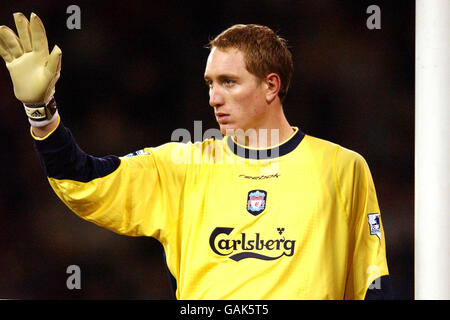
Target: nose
215, 97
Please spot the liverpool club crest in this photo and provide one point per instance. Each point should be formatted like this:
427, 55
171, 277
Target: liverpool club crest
256, 201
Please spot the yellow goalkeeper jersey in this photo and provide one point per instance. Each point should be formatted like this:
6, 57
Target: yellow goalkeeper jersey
297, 221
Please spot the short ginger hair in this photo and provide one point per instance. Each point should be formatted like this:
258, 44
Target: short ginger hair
264, 51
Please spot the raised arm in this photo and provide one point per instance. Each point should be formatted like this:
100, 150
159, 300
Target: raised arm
134, 195
34, 72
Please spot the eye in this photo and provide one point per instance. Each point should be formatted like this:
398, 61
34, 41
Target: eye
228, 82
208, 83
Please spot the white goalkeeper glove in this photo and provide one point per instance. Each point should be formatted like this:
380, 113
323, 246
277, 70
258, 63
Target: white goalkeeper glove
34, 72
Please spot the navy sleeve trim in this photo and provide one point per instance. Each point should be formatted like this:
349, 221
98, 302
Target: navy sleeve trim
381, 289
62, 158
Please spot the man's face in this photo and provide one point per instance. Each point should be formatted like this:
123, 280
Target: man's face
237, 96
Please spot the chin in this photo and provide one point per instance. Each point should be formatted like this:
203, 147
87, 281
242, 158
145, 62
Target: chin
227, 129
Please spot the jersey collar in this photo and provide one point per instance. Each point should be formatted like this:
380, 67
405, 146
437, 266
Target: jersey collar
266, 153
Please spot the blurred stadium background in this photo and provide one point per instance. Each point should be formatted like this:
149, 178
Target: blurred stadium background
134, 73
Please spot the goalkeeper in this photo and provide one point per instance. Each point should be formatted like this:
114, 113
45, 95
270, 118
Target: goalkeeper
286, 216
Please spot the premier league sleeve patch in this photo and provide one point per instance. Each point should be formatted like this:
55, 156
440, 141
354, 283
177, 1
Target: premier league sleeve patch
256, 201
374, 224
136, 153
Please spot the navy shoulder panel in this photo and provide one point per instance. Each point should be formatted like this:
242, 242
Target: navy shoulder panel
62, 158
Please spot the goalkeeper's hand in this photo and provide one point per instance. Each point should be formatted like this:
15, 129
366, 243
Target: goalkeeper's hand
34, 72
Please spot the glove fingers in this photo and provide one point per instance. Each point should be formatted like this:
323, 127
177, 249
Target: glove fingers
54, 60
11, 42
4, 53
38, 36
23, 30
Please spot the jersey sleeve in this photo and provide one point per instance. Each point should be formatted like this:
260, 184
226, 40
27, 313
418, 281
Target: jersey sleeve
367, 265
138, 194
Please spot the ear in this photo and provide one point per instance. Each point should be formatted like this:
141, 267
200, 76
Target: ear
273, 84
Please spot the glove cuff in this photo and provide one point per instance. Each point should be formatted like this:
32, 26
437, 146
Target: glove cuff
39, 124
40, 115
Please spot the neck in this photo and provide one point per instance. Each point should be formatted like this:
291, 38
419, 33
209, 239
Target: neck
273, 133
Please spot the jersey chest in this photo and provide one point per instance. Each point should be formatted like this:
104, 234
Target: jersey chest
262, 211
244, 222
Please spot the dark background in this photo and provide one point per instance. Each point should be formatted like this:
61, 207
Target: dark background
134, 73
